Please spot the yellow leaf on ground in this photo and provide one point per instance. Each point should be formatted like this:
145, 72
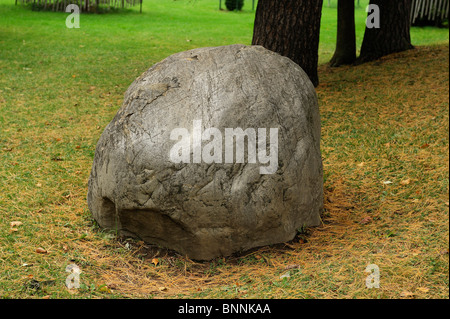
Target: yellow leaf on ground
405, 181
15, 224
155, 261
104, 289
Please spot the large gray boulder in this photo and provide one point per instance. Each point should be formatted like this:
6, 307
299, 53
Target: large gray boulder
164, 169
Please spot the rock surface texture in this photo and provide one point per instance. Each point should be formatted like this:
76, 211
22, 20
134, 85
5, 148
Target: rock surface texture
209, 209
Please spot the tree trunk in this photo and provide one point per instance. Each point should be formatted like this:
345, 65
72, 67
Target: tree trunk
346, 39
393, 34
290, 28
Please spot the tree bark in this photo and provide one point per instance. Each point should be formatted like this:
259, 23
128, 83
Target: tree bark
393, 34
345, 52
290, 28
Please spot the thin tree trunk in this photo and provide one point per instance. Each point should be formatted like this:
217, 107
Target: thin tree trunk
346, 39
290, 28
393, 34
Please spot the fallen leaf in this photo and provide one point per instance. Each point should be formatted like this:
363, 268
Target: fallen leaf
15, 224
162, 288
38, 185
292, 266
360, 165
406, 294
41, 250
46, 297
155, 261
446, 203
105, 289
13, 229
112, 285
405, 181
425, 146
387, 182
365, 220
65, 248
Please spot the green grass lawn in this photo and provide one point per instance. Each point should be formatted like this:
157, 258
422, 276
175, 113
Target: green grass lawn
60, 87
